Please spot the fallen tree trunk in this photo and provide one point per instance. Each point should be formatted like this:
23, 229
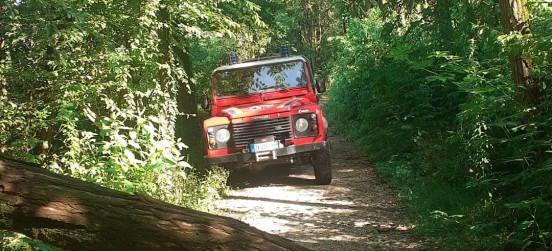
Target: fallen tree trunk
77, 215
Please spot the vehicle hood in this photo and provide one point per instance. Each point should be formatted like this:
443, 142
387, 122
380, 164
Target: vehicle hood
267, 107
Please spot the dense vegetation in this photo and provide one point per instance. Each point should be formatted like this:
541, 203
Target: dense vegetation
427, 90
94, 89
431, 89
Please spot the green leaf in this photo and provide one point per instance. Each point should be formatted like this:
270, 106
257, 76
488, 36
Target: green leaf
525, 224
130, 155
519, 205
132, 135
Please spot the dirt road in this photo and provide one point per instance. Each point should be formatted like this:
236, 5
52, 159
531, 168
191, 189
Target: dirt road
355, 212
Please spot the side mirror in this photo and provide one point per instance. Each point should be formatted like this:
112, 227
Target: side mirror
321, 86
204, 102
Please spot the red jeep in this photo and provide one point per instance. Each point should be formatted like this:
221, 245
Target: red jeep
266, 111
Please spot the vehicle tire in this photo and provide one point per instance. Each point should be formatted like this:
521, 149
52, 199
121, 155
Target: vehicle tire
322, 166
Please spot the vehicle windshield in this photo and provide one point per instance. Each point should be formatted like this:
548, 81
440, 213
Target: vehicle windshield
257, 79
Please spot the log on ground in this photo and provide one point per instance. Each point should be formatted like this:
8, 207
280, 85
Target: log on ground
77, 215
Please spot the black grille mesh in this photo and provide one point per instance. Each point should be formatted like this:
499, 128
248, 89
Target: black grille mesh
245, 133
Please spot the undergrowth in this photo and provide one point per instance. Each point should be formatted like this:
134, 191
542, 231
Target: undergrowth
441, 124
10, 241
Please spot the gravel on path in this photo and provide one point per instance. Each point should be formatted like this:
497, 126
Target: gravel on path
355, 212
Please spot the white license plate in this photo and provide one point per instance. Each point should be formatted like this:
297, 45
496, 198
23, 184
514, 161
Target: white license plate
263, 147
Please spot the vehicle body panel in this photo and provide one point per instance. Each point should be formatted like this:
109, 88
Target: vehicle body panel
264, 115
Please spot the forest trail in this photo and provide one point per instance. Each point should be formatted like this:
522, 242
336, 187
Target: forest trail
355, 212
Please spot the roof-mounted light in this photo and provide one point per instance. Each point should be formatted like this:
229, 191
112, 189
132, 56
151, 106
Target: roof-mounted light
232, 58
284, 50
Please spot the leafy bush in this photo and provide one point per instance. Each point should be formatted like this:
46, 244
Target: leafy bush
442, 124
90, 89
18, 242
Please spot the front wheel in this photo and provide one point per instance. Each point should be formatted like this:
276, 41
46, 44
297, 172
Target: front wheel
322, 166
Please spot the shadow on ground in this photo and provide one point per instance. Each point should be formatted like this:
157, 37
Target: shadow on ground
355, 212
274, 175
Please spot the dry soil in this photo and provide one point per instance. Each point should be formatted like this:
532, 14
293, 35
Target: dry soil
355, 212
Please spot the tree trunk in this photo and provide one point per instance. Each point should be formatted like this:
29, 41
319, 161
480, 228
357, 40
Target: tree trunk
443, 25
48, 96
382, 4
77, 215
514, 18
164, 36
3, 54
188, 126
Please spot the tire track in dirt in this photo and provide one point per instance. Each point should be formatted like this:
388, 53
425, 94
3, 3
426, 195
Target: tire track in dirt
355, 212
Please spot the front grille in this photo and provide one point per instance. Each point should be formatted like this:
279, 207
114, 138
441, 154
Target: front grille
245, 133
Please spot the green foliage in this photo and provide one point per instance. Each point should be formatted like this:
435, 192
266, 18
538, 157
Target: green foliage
441, 122
213, 53
74, 72
127, 150
18, 242
91, 87
19, 143
202, 193
398, 95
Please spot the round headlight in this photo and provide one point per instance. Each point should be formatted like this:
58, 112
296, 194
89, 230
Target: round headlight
222, 135
301, 125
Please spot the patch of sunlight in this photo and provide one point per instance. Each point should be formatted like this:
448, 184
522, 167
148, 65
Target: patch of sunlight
346, 171
362, 223
271, 225
343, 237
282, 216
292, 195
63, 211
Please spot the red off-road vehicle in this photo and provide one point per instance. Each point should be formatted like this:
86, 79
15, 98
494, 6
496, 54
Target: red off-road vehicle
266, 111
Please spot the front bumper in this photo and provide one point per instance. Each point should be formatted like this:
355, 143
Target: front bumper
252, 157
